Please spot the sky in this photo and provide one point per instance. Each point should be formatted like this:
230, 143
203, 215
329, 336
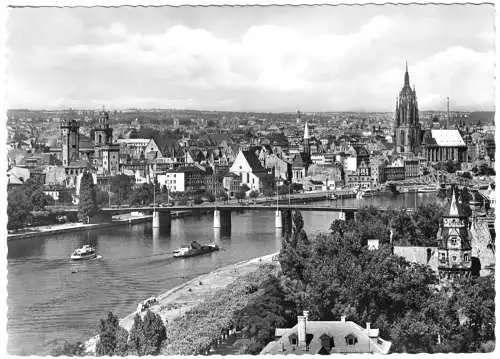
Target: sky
270, 59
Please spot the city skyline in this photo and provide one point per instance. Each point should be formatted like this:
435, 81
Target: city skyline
264, 59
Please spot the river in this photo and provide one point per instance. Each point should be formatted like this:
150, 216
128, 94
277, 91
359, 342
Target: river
47, 301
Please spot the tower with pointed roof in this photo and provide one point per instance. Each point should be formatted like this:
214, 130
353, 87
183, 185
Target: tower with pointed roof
407, 127
454, 245
307, 147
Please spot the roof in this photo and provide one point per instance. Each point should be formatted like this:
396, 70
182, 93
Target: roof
367, 340
448, 138
253, 161
134, 141
418, 255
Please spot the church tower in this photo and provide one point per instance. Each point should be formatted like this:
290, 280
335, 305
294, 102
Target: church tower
307, 146
407, 126
454, 244
70, 139
103, 134
108, 153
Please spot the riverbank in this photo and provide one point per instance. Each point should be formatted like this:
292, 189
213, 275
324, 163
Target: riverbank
76, 227
179, 300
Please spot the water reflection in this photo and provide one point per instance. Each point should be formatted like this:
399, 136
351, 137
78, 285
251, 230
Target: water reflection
22, 248
277, 238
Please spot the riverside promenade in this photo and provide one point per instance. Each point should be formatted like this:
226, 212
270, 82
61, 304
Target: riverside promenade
76, 227
184, 297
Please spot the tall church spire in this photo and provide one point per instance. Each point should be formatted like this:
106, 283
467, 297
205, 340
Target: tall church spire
306, 132
407, 76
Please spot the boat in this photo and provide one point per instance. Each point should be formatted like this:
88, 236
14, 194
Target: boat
332, 196
427, 189
86, 252
195, 249
369, 193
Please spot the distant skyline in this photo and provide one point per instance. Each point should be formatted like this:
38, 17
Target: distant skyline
254, 59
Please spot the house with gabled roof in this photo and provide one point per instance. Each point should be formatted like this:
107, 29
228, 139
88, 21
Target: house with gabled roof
327, 337
250, 170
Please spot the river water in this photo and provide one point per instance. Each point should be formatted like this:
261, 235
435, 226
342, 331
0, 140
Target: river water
47, 301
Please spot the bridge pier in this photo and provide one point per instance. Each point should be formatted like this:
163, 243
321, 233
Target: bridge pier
162, 220
278, 221
222, 219
156, 219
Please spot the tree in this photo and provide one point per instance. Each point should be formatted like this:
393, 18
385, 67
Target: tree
244, 188
108, 329
147, 335
253, 194
87, 205
240, 195
19, 209
210, 196
39, 200
65, 197
102, 198
122, 186
197, 200
142, 195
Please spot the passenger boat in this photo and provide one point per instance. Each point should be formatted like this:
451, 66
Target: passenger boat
195, 249
86, 252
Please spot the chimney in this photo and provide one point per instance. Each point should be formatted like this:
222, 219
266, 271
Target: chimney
342, 319
368, 326
305, 313
301, 331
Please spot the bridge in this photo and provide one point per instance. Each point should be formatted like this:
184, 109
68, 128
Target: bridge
162, 215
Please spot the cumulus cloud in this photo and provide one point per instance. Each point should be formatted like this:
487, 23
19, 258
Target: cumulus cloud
264, 67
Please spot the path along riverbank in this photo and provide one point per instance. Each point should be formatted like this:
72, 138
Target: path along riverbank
184, 297
76, 227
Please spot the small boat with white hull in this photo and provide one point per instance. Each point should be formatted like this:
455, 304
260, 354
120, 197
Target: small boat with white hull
195, 249
86, 252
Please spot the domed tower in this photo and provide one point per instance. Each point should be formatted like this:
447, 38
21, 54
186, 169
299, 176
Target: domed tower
103, 134
407, 126
108, 153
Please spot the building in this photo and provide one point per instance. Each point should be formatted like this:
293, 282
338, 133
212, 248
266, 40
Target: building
454, 243
248, 167
183, 179
70, 140
407, 128
412, 168
105, 151
326, 337
444, 145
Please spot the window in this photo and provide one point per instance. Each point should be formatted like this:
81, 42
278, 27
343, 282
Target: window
466, 257
454, 258
453, 241
350, 339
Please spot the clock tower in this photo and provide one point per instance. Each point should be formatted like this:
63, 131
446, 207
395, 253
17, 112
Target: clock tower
454, 243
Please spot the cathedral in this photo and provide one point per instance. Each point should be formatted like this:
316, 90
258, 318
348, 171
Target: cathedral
407, 129
101, 153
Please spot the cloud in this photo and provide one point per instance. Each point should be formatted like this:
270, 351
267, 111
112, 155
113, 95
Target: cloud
266, 66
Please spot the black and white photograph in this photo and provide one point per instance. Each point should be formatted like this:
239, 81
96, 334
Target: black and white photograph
287, 179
